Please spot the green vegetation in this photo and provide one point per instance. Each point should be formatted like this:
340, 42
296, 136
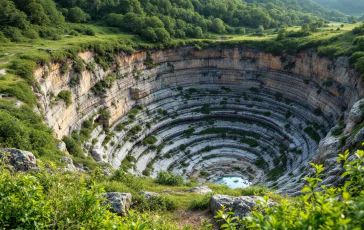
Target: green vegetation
38, 33
351, 7
66, 96
156, 21
312, 134
23, 129
329, 208
251, 142
168, 178
151, 140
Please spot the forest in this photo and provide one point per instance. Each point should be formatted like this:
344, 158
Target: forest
155, 20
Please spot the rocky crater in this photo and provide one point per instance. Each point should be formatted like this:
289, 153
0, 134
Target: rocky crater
212, 112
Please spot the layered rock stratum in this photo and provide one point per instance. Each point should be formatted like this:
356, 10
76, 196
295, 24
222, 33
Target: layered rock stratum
212, 112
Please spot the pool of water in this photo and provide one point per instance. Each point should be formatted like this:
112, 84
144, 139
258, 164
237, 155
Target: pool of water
233, 182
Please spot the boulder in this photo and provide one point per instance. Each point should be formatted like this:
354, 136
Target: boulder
106, 171
119, 202
241, 206
201, 190
20, 160
148, 195
69, 163
97, 154
355, 114
359, 137
62, 146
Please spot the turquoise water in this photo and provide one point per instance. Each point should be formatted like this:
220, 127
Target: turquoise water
233, 182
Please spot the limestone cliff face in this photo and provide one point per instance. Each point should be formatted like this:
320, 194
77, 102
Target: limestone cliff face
310, 81
222, 66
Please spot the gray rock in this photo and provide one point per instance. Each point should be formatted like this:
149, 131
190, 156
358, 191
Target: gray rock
241, 206
148, 195
82, 168
119, 202
21, 160
69, 163
355, 114
201, 190
97, 154
62, 146
18, 104
359, 137
106, 171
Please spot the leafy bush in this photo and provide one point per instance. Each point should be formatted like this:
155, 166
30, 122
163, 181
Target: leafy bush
201, 203
24, 69
73, 147
132, 182
156, 203
168, 178
313, 134
78, 65
66, 96
50, 200
119, 127
151, 140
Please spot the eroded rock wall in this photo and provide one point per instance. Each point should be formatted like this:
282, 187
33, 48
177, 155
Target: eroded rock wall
302, 85
221, 66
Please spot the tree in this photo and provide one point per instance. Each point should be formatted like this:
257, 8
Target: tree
11, 16
149, 34
218, 26
282, 34
77, 15
162, 35
260, 30
305, 27
114, 19
197, 32
154, 22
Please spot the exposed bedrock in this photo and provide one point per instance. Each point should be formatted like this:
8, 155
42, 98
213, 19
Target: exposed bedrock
203, 114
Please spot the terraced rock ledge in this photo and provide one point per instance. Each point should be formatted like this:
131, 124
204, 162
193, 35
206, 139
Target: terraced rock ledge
208, 113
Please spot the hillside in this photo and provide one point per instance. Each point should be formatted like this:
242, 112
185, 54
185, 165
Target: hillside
351, 7
127, 114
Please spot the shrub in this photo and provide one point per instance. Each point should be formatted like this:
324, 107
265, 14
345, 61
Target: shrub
252, 143
104, 115
157, 203
73, 147
128, 180
78, 65
200, 203
50, 200
313, 134
24, 69
338, 130
66, 96
151, 140
119, 127
168, 178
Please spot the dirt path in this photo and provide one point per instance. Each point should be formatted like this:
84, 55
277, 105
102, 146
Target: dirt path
194, 219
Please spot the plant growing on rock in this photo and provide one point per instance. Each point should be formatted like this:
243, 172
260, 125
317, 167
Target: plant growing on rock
66, 96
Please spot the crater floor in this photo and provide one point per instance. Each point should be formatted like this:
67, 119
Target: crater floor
207, 131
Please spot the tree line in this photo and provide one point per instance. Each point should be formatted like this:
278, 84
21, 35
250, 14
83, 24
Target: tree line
155, 20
